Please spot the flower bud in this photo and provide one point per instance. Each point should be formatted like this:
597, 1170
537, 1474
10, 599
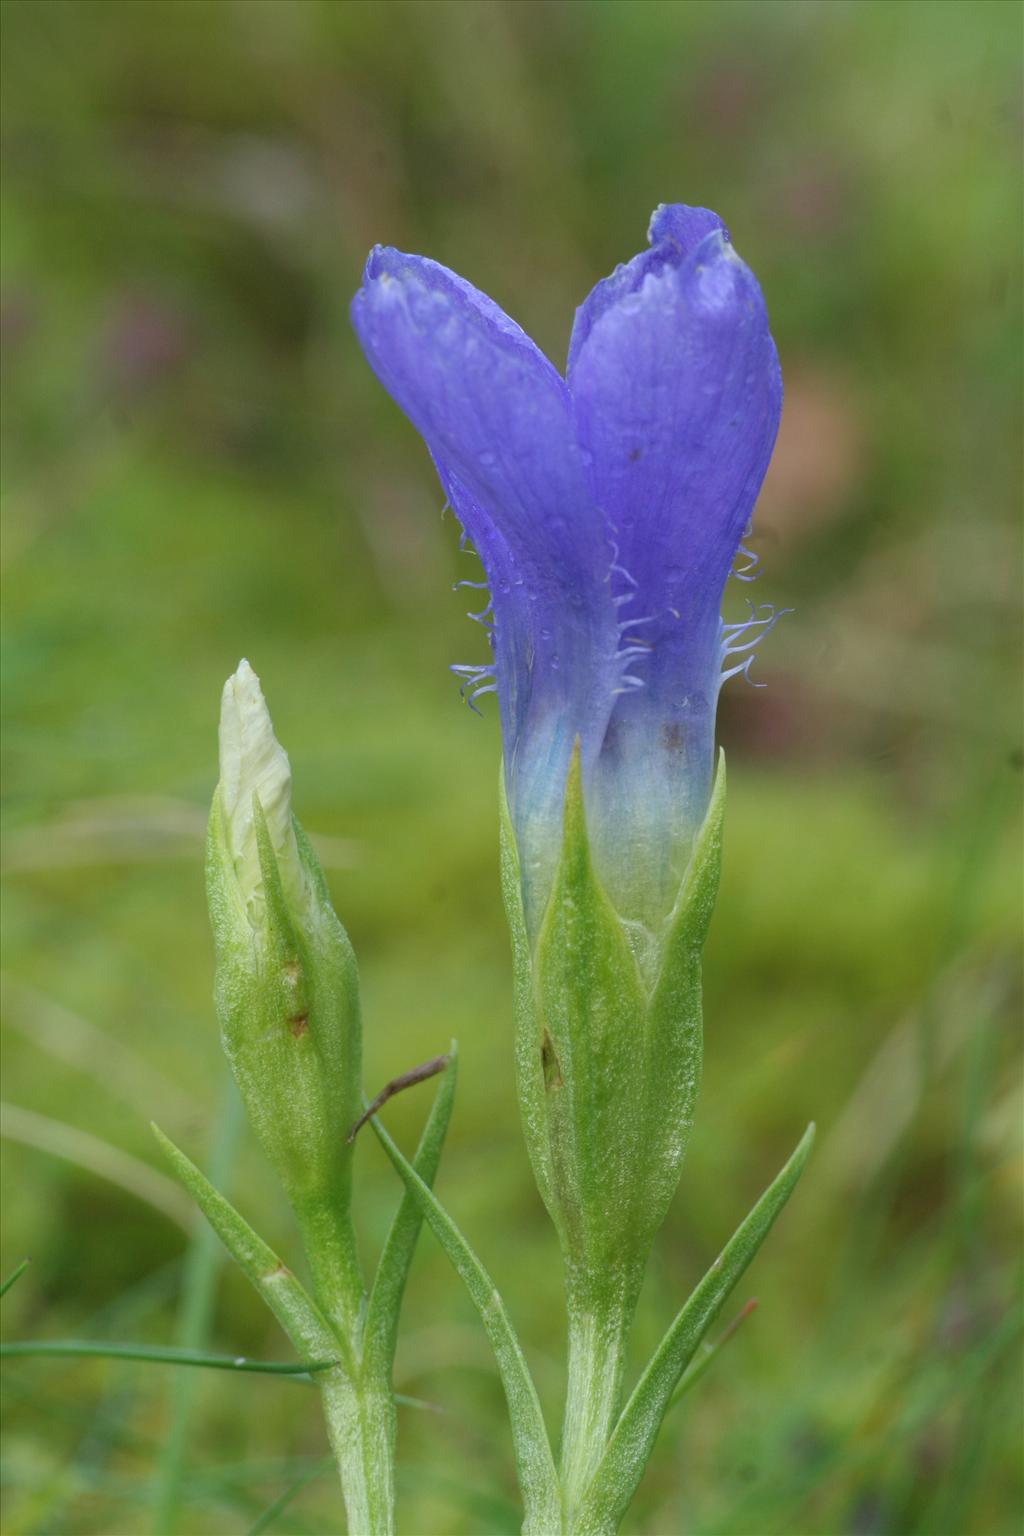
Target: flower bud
286, 989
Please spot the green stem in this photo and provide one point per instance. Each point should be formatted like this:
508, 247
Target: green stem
358, 1399
360, 1418
597, 1360
330, 1243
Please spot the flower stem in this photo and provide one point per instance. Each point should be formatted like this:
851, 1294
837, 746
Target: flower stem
358, 1399
330, 1243
597, 1357
360, 1418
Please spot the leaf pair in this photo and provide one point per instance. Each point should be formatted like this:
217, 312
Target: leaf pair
296, 1311
622, 1465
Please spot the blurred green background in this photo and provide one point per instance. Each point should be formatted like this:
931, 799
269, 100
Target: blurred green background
198, 465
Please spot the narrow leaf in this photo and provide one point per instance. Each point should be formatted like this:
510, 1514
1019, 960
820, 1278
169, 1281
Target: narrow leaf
622, 1465
14, 1275
538, 1481
158, 1354
395, 1260
298, 1315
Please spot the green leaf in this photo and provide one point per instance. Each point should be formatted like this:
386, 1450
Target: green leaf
298, 1315
393, 1269
605, 1501
538, 1481
157, 1354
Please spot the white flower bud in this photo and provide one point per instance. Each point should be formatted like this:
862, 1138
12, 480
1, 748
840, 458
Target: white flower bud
286, 989
254, 763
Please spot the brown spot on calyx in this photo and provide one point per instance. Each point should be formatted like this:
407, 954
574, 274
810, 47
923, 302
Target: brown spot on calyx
672, 735
549, 1063
299, 1024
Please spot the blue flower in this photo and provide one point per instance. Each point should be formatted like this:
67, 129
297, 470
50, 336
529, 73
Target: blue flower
607, 508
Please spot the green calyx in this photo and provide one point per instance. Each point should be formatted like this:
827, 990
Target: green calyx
608, 1048
287, 999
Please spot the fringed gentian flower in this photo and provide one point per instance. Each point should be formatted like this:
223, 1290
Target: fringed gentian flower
607, 509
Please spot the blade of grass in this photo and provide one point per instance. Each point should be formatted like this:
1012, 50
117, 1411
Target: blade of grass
158, 1354
14, 1275
99, 1157
230, 1484
710, 1353
81, 1417
417, 1402
281, 1503
195, 1313
68, 1037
